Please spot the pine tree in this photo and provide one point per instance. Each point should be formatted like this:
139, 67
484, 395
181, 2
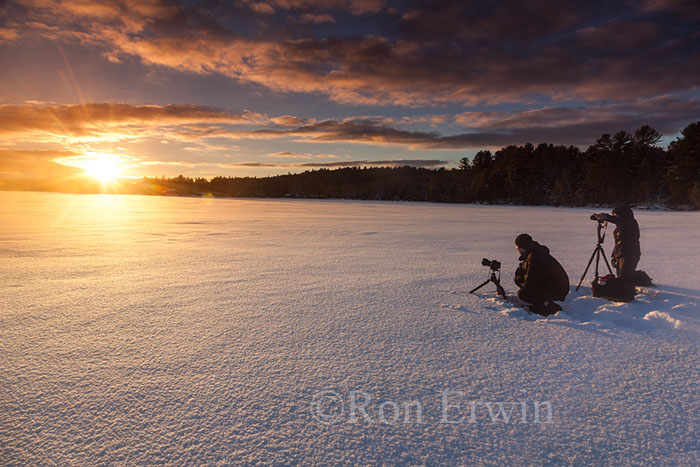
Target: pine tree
684, 165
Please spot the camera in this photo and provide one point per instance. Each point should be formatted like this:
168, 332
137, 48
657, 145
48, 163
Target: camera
493, 264
602, 217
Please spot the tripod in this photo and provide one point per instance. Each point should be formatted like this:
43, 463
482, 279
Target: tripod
496, 280
597, 253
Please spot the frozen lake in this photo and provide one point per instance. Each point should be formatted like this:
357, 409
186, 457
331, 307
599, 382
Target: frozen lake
146, 330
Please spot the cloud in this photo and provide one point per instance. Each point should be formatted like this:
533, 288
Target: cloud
432, 120
311, 18
365, 131
261, 7
172, 163
113, 122
384, 163
8, 35
428, 163
666, 114
356, 7
33, 164
252, 164
288, 121
557, 125
338, 164
199, 126
289, 154
683, 8
424, 54
374, 133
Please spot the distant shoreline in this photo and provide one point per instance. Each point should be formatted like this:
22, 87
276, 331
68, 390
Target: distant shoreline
656, 207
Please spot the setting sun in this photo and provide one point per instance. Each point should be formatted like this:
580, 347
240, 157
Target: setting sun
104, 168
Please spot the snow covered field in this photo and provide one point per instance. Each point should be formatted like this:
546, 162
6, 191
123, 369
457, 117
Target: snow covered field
156, 330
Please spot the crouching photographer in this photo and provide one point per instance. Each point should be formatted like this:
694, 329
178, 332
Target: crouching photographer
540, 277
626, 254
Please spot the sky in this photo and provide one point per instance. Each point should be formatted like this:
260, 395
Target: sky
257, 88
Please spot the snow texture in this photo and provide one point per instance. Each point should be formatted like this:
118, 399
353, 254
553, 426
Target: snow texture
192, 331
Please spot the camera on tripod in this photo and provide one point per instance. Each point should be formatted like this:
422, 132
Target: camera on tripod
598, 252
494, 267
493, 264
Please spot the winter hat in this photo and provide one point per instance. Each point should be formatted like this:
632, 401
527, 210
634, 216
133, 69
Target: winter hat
524, 241
622, 211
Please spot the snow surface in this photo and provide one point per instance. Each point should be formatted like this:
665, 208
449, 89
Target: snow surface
156, 330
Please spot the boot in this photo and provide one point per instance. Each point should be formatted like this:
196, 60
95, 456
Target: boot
545, 309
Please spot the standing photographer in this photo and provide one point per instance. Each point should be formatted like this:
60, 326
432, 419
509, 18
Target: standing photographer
540, 277
626, 254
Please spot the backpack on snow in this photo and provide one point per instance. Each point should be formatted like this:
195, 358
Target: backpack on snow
642, 279
612, 288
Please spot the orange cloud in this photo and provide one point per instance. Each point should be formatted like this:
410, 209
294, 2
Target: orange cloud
112, 122
364, 70
338, 164
35, 165
288, 121
8, 34
302, 156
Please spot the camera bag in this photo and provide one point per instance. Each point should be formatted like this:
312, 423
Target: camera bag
612, 288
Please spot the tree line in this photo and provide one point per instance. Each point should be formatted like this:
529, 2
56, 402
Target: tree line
625, 167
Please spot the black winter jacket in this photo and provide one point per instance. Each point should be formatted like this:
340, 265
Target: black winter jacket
539, 274
626, 237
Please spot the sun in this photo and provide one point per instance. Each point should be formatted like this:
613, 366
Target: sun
102, 167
